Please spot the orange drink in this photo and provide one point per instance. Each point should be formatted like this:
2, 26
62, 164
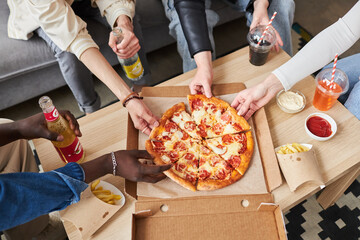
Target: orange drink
327, 91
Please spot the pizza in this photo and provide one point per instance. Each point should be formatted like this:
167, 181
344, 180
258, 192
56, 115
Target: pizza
210, 148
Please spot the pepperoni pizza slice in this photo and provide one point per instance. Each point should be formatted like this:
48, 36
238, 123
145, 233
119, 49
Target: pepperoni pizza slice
185, 122
185, 171
215, 117
214, 172
236, 149
168, 142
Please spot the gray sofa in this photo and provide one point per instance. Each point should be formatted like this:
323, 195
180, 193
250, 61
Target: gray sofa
28, 68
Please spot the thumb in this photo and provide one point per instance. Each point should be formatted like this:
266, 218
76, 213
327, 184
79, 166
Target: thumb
53, 136
207, 90
150, 119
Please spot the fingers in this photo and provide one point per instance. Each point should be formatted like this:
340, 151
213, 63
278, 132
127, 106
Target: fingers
142, 154
154, 169
243, 108
74, 125
193, 89
150, 120
153, 178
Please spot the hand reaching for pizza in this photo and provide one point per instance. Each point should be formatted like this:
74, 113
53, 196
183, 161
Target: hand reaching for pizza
141, 115
130, 168
250, 100
201, 83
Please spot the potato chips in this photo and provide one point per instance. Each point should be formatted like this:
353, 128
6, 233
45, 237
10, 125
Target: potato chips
292, 148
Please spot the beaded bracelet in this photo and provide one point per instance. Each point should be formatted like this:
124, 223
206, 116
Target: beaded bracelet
131, 97
114, 163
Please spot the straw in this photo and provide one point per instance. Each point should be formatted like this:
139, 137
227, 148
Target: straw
333, 72
267, 27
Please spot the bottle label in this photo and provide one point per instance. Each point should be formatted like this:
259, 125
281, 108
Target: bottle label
52, 116
135, 70
72, 153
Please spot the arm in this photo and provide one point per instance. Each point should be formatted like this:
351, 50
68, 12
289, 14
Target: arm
25, 196
321, 50
261, 17
204, 74
57, 14
34, 127
141, 115
193, 22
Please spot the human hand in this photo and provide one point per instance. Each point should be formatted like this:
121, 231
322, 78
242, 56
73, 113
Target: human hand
141, 115
129, 167
250, 100
35, 127
260, 17
201, 83
129, 45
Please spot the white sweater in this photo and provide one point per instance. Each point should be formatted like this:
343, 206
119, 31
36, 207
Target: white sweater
59, 21
321, 50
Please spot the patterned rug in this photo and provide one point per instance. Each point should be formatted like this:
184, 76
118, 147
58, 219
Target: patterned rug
341, 221
308, 220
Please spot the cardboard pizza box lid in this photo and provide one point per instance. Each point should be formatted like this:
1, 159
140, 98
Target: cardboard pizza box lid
230, 217
266, 148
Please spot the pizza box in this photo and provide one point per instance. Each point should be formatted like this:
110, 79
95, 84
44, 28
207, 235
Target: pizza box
270, 167
234, 217
245, 216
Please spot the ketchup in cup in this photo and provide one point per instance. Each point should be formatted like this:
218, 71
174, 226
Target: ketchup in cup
319, 126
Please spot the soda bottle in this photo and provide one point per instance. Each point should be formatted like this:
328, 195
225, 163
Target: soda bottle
132, 66
70, 149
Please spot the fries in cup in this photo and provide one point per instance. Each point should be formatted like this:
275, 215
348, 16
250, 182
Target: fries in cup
103, 194
292, 148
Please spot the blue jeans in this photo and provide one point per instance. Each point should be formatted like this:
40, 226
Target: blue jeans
75, 73
350, 99
282, 24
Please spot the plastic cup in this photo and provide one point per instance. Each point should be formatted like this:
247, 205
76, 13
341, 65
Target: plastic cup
328, 92
258, 53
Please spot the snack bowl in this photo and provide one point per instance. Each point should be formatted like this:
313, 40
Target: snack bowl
320, 126
291, 101
114, 190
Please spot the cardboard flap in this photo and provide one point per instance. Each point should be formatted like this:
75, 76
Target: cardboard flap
267, 153
203, 205
216, 217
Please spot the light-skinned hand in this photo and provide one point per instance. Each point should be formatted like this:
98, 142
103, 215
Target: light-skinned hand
141, 115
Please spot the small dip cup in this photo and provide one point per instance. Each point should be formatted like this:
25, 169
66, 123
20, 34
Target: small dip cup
284, 107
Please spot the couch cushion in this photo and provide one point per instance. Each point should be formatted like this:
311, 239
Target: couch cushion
20, 57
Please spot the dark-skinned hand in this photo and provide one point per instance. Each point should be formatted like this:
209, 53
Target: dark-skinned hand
129, 167
35, 127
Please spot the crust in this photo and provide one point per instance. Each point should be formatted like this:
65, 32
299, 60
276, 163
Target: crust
157, 157
165, 117
211, 184
246, 156
239, 119
183, 182
218, 102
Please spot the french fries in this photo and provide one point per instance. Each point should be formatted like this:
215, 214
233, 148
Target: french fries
292, 148
103, 194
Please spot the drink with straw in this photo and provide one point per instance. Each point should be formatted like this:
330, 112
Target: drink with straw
327, 91
261, 39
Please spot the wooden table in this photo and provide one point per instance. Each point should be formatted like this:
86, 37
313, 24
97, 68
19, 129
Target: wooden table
105, 131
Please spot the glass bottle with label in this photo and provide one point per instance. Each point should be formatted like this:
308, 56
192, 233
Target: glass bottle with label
70, 149
132, 66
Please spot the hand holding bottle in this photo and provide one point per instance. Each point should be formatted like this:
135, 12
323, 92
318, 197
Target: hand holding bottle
35, 127
128, 45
